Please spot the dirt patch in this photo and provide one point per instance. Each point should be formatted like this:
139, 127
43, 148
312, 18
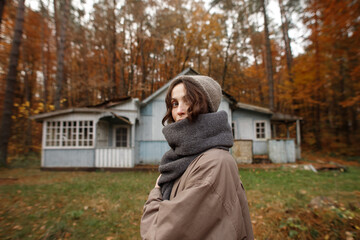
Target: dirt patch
319, 163
320, 223
320, 159
8, 181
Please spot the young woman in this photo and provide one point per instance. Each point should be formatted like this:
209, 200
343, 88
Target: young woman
199, 194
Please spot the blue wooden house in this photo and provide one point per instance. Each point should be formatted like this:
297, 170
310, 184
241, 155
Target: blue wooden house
126, 132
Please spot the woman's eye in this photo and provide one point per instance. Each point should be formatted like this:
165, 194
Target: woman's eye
174, 104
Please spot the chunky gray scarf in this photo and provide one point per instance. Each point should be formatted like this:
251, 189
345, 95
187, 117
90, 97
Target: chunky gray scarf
187, 141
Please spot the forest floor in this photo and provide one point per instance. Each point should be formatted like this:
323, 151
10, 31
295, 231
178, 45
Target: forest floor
287, 201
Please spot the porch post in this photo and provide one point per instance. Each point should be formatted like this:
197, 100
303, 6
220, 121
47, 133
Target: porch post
133, 144
43, 144
287, 131
298, 139
273, 130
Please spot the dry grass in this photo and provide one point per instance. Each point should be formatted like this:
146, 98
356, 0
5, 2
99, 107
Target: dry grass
284, 203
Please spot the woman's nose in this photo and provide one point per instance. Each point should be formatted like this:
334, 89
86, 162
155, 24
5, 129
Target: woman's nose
182, 108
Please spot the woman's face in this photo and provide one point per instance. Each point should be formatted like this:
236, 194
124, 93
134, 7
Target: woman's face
179, 104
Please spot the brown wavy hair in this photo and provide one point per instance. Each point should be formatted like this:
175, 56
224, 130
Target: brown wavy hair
197, 100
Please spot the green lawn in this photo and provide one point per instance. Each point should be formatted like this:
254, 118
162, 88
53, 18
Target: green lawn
38, 204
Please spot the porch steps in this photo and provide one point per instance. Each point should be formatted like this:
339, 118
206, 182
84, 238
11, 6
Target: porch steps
260, 159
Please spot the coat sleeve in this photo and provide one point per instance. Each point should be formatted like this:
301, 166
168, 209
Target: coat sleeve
195, 213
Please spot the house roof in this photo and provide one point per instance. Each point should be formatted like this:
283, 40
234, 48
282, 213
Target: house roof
253, 108
275, 116
282, 117
187, 71
42, 116
110, 103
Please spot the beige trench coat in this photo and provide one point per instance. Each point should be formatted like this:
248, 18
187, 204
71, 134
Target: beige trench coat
207, 202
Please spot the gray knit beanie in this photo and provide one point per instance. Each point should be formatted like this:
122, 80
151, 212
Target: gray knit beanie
207, 85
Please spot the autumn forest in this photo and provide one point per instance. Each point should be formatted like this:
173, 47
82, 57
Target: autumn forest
60, 55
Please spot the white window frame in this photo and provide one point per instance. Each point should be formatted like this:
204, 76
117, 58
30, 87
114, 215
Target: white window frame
127, 137
256, 132
60, 134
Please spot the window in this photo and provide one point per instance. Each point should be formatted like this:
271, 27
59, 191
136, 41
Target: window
121, 136
69, 134
260, 129
233, 129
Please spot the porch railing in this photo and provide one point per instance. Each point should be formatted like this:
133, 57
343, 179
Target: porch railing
114, 157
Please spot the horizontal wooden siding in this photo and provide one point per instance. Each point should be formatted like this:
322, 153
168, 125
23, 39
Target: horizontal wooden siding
151, 152
68, 158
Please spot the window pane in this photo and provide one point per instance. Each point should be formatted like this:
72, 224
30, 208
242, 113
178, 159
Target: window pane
121, 135
260, 130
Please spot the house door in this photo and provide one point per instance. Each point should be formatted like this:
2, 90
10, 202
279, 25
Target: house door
122, 136
102, 134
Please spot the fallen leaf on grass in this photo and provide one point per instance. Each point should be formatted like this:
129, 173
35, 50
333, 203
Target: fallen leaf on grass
302, 191
349, 236
17, 227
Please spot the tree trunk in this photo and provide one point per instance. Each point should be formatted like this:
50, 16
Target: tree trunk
114, 43
225, 63
268, 62
28, 85
125, 90
317, 95
132, 70
209, 67
187, 56
143, 63
44, 68
5, 129
286, 38
252, 42
2, 6
199, 60
345, 118
60, 22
